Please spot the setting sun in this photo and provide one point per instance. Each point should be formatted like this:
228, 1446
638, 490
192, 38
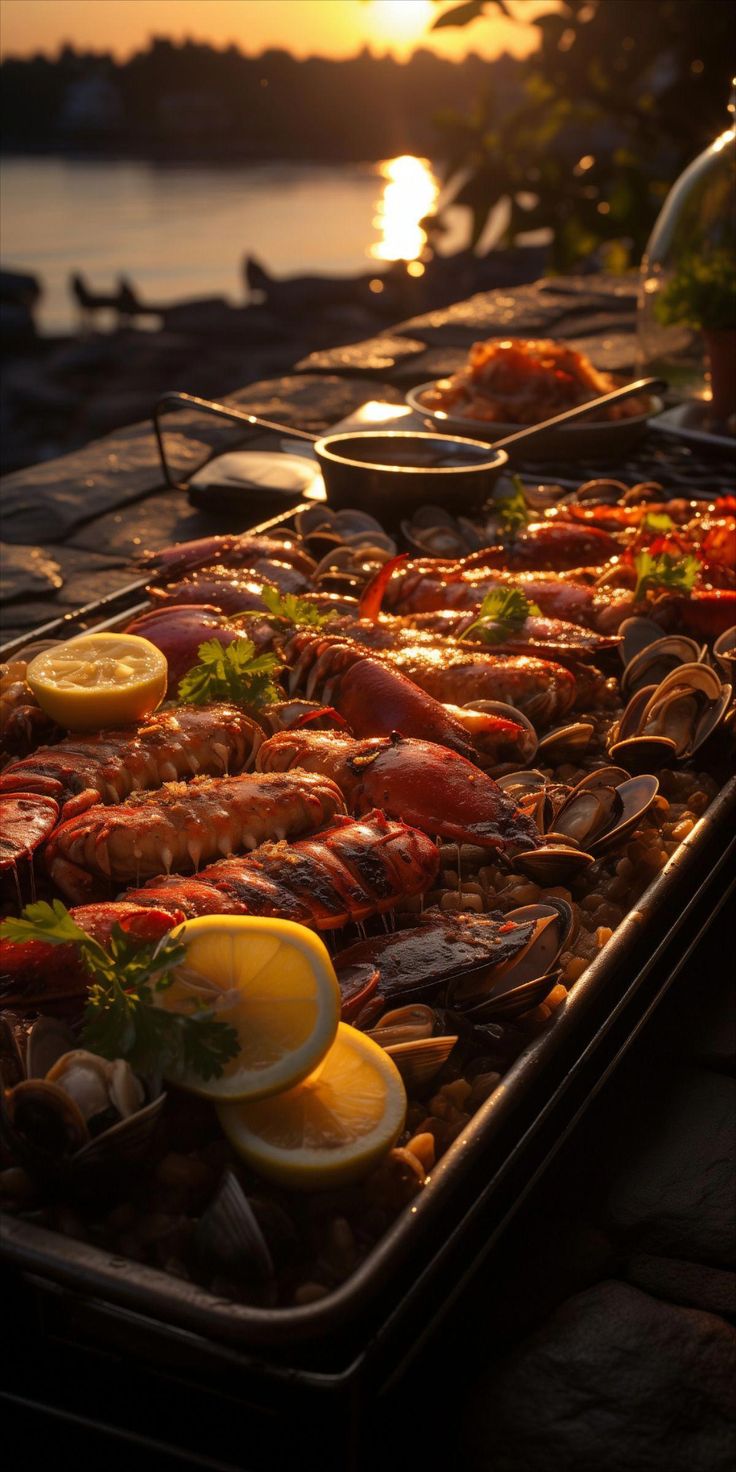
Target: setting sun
402, 21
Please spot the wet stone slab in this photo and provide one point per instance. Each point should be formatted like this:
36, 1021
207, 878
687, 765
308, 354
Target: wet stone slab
614, 1381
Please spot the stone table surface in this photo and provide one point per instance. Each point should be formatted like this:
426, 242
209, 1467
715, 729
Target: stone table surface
608, 1345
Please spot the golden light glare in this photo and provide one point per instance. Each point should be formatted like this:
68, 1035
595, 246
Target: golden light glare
402, 20
410, 193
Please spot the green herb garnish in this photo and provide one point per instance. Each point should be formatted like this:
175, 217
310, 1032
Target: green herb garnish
673, 574
502, 612
513, 511
230, 672
121, 1019
658, 521
294, 610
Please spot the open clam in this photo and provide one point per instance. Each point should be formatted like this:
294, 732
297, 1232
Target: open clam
78, 1115
670, 721
581, 823
409, 1035
433, 532
511, 988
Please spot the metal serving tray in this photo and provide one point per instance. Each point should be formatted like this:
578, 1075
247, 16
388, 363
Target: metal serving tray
383, 1311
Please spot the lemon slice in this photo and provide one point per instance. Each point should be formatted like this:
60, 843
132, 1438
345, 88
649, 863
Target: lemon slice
331, 1128
99, 680
271, 980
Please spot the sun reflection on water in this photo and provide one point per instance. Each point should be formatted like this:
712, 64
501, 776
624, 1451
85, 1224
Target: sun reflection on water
410, 192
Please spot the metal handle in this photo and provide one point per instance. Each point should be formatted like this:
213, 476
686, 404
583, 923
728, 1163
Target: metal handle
218, 411
639, 386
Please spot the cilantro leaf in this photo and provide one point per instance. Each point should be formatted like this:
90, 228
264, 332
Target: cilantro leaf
658, 521
230, 672
294, 610
673, 574
503, 611
513, 511
121, 1017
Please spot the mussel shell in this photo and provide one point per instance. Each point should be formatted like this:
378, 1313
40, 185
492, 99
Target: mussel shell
530, 742
41, 1125
48, 1040
587, 812
553, 925
228, 1239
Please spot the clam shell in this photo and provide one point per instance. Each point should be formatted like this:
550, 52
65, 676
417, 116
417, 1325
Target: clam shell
228, 1238
658, 660
636, 635
351, 521
48, 1040
404, 1025
587, 812
420, 1059
637, 795
564, 741
42, 1124
642, 752
724, 650
516, 1000
314, 518
553, 864
506, 712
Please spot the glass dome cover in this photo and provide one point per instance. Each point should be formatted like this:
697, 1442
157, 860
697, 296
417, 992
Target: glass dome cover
686, 321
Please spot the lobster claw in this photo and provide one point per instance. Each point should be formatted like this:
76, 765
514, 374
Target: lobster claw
372, 595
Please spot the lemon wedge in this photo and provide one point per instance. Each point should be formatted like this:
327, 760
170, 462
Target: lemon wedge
99, 680
271, 980
330, 1129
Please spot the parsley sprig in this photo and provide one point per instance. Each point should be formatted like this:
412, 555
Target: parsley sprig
513, 511
502, 612
658, 521
671, 574
294, 610
121, 1018
231, 672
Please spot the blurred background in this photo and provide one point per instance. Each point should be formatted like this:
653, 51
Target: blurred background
196, 194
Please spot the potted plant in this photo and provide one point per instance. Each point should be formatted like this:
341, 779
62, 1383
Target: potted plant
702, 294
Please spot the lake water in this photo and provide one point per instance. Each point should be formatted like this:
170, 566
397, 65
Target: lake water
182, 231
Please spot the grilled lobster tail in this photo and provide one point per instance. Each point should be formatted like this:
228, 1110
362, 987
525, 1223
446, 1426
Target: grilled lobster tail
348, 872
183, 825
173, 744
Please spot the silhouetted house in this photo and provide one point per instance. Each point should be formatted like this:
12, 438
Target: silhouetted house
193, 114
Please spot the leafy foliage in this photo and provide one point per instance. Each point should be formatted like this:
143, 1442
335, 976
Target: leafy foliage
502, 612
665, 572
230, 672
293, 609
121, 1018
702, 292
513, 511
617, 99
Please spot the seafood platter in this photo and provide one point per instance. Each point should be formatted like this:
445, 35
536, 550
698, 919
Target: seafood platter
326, 865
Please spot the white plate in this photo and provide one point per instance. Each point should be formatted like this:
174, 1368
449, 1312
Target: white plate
585, 440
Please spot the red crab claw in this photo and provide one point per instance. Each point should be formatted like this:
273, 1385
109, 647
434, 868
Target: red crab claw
26, 820
179, 631
425, 785
34, 974
372, 595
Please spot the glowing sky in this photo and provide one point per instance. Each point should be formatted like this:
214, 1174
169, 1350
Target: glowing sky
305, 27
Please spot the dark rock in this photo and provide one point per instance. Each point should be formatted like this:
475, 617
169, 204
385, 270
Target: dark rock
27, 572
691, 1283
673, 1193
375, 355
308, 402
614, 1381
151, 523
